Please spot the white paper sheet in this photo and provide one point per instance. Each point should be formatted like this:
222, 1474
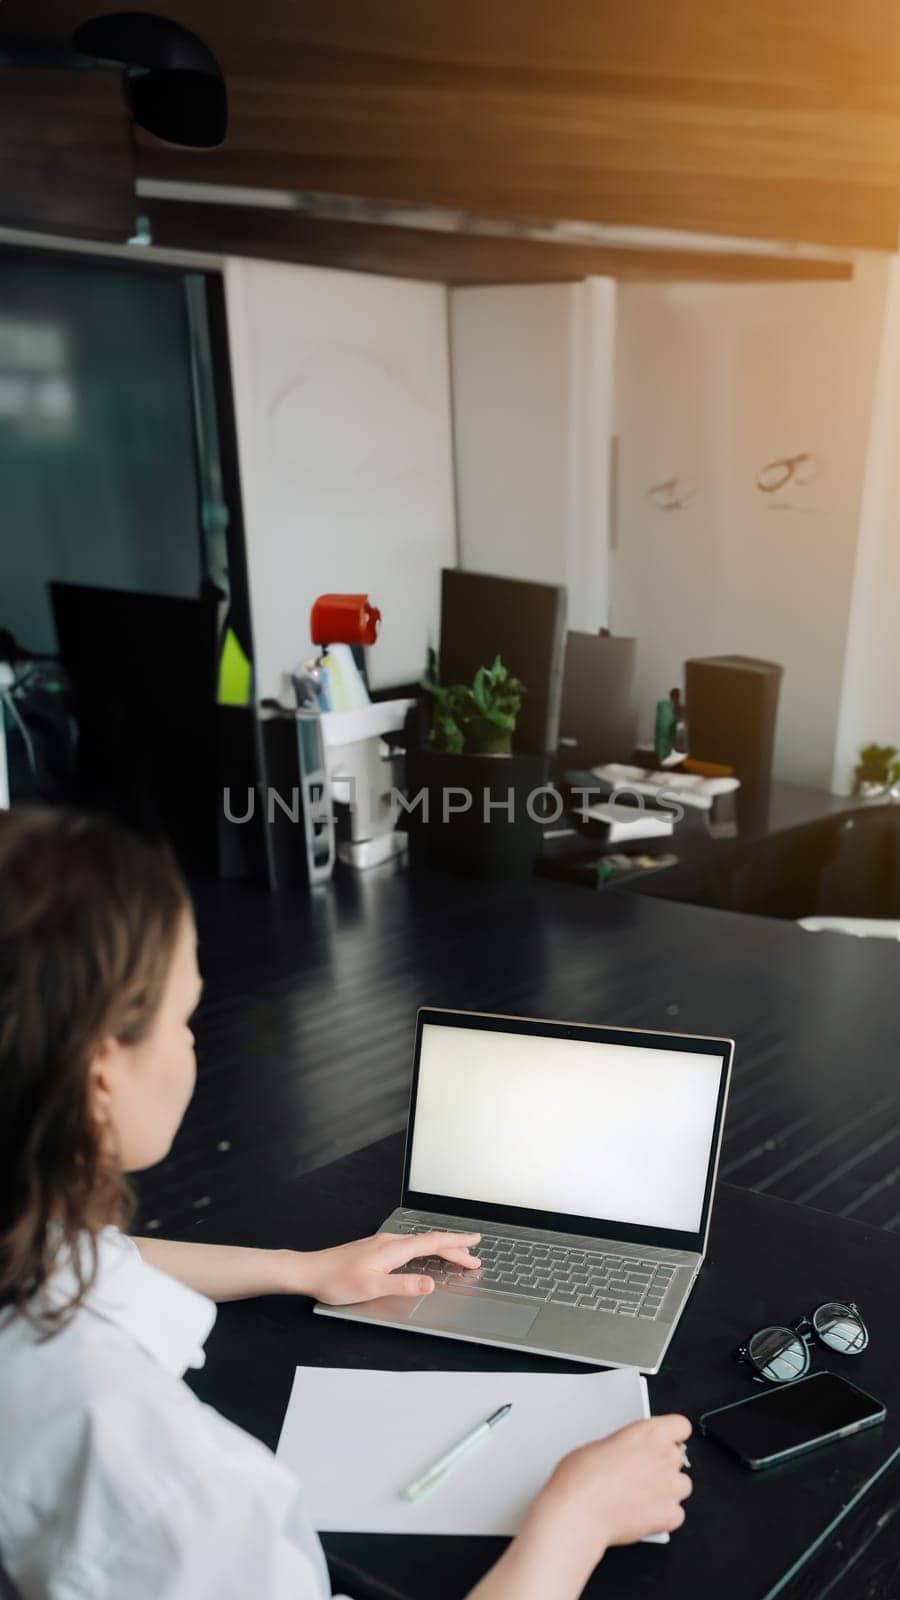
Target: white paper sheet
355, 1438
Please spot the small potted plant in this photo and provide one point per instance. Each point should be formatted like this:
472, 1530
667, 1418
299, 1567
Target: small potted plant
878, 772
473, 811
479, 717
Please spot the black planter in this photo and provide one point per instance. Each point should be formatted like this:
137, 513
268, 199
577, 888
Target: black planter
495, 836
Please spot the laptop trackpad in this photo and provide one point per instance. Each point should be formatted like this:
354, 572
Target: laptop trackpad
467, 1313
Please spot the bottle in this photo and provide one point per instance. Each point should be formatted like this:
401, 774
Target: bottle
680, 736
664, 730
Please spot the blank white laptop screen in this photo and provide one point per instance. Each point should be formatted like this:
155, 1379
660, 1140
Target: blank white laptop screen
613, 1131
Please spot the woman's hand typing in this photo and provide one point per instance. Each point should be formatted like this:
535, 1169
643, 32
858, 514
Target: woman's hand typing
368, 1268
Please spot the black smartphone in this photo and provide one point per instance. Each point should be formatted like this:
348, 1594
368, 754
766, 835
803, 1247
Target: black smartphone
792, 1418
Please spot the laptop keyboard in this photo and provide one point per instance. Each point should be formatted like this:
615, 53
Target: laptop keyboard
555, 1274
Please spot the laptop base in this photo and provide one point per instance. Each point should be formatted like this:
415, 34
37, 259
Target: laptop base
461, 1310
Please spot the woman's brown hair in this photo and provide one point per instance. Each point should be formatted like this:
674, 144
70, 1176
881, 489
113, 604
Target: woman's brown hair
89, 915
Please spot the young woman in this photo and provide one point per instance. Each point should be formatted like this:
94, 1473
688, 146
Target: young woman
116, 1483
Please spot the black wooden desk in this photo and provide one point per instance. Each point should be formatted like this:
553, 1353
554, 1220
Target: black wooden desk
768, 1260
305, 1036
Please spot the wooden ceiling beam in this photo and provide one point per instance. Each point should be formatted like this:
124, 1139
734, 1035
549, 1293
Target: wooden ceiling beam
772, 120
66, 156
453, 258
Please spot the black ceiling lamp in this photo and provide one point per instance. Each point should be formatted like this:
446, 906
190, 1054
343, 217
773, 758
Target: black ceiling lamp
173, 82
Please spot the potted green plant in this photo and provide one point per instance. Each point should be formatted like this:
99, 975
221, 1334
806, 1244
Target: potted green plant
877, 771
479, 717
471, 792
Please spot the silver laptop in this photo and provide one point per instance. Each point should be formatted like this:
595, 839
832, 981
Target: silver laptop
586, 1157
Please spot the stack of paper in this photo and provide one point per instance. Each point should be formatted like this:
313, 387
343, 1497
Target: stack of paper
628, 822
687, 787
356, 1438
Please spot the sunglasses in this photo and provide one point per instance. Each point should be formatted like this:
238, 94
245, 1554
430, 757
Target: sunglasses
780, 1354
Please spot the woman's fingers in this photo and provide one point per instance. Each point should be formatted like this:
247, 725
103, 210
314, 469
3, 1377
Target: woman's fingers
431, 1242
465, 1258
452, 1246
406, 1283
674, 1427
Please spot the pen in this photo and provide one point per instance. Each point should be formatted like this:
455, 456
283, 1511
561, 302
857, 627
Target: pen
443, 1463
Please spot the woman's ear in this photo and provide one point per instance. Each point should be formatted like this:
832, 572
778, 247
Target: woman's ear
104, 1076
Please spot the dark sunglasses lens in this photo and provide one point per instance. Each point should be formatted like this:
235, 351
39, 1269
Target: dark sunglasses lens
840, 1328
779, 1354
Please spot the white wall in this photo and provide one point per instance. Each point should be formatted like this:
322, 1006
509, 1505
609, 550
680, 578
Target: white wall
870, 704
533, 395
342, 386
342, 396
714, 382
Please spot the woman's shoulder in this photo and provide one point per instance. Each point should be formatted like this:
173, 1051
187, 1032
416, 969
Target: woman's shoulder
90, 1393
104, 1448
56, 1384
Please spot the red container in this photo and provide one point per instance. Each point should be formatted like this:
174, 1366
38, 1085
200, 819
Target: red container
344, 619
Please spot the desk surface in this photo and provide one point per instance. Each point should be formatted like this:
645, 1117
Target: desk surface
305, 1035
768, 1260
570, 859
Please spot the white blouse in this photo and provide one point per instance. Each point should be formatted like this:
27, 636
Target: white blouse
116, 1482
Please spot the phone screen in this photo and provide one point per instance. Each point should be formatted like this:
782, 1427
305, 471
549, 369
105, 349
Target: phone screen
791, 1417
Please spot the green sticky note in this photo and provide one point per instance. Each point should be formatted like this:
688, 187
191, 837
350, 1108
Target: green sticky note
235, 673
